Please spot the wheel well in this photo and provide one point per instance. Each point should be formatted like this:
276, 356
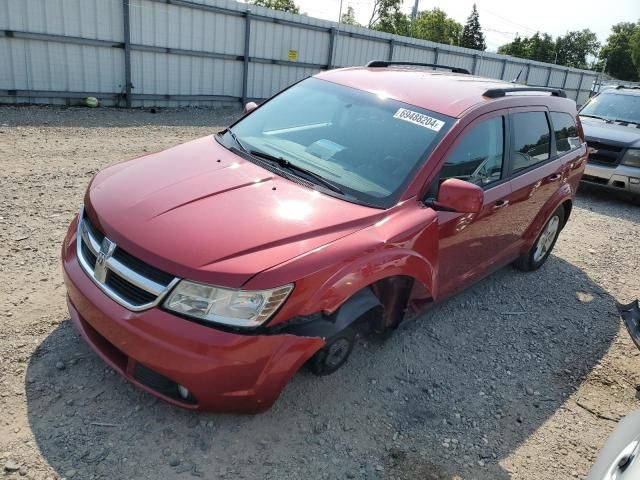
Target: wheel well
567, 205
395, 294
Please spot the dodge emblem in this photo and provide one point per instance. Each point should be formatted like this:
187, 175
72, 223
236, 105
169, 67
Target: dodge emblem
106, 250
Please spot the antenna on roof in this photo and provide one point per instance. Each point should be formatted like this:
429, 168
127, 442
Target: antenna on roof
515, 80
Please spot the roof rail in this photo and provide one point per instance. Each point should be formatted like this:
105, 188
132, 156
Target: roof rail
384, 64
501, 92
618, 87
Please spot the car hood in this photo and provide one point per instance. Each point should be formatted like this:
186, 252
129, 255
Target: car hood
610, 133
201, 212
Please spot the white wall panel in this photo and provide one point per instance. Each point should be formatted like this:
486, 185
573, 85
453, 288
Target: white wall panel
537, 76
357, 51
270, 40
412, 54
53, 65
40, 65
265, 80
96, 19
557, 78
488, 67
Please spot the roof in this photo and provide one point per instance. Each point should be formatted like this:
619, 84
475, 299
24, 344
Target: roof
443, 92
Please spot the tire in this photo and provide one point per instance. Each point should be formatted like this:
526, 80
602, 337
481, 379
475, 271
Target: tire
334, 354
543, 245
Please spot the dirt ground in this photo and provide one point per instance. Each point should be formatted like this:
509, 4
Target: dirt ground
522, 376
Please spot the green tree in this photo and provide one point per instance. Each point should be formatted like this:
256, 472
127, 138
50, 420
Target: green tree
573, 48
349, 17
383, 10
284, 5
617, 52
517, 48
397, 23
570, 50
541, 47
387, 17
472, 36
436, 26
635, 48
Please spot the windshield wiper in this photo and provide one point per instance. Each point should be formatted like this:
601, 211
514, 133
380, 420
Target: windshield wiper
626, 122
237, 140
284, 163
594, 116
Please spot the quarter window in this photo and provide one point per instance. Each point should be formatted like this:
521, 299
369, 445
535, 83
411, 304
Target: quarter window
565, 131
531, 139
479, 155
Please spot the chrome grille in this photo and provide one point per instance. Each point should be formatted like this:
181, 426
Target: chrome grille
128, 280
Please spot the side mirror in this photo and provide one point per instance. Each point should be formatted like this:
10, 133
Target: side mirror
459, 196
250, 107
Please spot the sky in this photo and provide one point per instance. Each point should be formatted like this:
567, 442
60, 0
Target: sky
502, 19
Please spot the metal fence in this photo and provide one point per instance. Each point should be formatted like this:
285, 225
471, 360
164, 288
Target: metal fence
207, 52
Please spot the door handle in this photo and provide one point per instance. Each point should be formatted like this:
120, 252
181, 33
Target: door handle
554, 177
500, 204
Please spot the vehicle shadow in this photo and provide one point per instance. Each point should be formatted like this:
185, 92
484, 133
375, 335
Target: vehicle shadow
449, 395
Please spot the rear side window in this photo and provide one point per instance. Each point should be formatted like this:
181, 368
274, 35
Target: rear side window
565, 131
531, 139
478, 157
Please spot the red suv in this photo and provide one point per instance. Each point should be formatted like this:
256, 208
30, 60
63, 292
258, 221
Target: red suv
209, 273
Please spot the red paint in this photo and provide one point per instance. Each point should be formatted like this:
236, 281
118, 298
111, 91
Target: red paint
203, 213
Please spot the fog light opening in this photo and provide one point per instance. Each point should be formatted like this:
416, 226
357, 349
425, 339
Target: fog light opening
184, 393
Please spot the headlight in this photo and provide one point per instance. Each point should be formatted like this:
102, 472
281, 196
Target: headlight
632, 157
237, 308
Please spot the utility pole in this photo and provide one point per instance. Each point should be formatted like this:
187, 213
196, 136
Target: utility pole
414, 11
340, 14
414, 14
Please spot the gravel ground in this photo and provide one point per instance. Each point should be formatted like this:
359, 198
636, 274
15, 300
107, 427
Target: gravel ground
522, 376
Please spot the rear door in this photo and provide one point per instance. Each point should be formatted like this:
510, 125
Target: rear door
536, 169
473, 245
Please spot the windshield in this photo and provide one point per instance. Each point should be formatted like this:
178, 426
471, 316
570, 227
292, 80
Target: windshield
366, 145
618, 107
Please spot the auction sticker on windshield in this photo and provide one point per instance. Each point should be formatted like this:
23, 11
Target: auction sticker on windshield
419, 119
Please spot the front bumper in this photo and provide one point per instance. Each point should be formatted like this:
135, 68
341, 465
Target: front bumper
631, 317
620, 178
157, 350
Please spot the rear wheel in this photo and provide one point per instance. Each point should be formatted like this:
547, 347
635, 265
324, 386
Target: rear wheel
543, 245
334, 354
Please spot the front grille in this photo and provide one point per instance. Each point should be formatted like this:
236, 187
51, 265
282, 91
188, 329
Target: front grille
603, 153
134, 295
160, 384
88, 255
143, 268
130, 281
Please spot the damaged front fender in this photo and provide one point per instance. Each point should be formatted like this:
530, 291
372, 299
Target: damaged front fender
363, 306
630, 314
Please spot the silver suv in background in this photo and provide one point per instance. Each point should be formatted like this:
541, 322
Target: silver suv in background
611, 123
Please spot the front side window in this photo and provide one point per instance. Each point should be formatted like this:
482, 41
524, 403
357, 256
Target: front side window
565, 131
479, 155
369, 145
531, 139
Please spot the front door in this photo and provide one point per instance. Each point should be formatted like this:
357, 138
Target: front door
473, 245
